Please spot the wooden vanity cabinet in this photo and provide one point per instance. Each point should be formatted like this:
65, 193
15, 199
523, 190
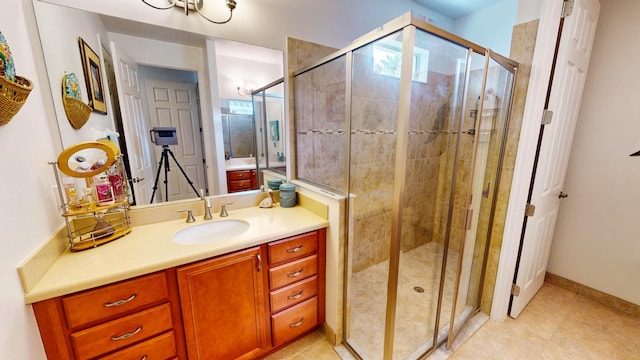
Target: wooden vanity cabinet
248, 303
241, 305
223, 306
126, 320
242, 180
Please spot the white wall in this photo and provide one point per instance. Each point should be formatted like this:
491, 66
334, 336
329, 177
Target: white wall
234, 71
60, 29
597, 237
497, 37
29, 214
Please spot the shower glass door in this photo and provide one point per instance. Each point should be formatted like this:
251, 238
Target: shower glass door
375, 95
429, 208
487, 120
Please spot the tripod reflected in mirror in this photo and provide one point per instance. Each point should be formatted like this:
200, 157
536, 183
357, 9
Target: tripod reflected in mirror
165, 136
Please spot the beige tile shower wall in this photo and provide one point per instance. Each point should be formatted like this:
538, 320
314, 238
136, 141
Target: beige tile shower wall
374, 134
374, 107
299, 54
320, 124
428, 140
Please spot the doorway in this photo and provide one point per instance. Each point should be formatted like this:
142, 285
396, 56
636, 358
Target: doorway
172, 102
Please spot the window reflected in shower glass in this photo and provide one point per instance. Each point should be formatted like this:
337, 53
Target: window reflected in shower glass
240, 107
387, 60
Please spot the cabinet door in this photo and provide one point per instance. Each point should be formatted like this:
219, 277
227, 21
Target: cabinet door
223, 306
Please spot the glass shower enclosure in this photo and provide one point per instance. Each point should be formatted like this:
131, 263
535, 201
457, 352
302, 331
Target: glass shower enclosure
410, 124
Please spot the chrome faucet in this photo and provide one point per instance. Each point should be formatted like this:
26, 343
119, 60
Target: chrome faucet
207, 209
190, 217
223, 210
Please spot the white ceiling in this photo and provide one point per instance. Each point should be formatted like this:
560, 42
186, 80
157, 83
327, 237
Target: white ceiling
456, 8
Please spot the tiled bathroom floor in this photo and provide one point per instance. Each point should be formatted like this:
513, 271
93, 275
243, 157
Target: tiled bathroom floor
556, 325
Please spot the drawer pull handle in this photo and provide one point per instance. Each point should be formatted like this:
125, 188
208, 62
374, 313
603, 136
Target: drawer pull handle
295, 249
296, 274
296, 324
127, 335
296, 296
120, 302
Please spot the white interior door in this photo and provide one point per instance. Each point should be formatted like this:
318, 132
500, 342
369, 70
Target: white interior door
175, 104
135, 130
566, 93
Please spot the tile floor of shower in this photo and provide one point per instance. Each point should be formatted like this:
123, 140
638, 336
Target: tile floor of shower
418, 284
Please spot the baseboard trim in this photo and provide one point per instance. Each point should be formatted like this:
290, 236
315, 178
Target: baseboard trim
618, 304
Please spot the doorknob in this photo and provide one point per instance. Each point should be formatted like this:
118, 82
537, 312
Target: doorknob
562, 195
137, 180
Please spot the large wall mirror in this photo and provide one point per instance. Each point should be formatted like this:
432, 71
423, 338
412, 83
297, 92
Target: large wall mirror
157, 79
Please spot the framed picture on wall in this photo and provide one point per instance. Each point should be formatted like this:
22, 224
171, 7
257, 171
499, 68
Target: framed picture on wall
93, 77
274, 130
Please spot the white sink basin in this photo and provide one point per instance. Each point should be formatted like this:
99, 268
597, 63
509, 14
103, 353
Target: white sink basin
211, 231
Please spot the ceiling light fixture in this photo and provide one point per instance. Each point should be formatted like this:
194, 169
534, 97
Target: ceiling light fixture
243, 91
195, 5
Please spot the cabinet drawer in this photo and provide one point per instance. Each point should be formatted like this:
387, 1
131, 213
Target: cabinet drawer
294, 321
239, 175
239, 185
114, 299
158, 348
122, 332
293, 248
293, 294
291, 272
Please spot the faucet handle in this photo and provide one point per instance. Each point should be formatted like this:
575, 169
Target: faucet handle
207, 209
223, 210
190, 217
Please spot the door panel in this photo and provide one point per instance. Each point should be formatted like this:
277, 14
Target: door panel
135, 128
566, 94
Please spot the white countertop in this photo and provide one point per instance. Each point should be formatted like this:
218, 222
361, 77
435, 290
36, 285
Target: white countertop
248, 164
149, 248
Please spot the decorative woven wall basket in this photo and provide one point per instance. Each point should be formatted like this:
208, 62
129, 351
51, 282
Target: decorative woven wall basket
77, 112
12, 96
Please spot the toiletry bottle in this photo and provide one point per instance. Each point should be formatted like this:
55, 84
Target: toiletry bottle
88, 201
114, 178
70, 192
104, 191
100, 162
